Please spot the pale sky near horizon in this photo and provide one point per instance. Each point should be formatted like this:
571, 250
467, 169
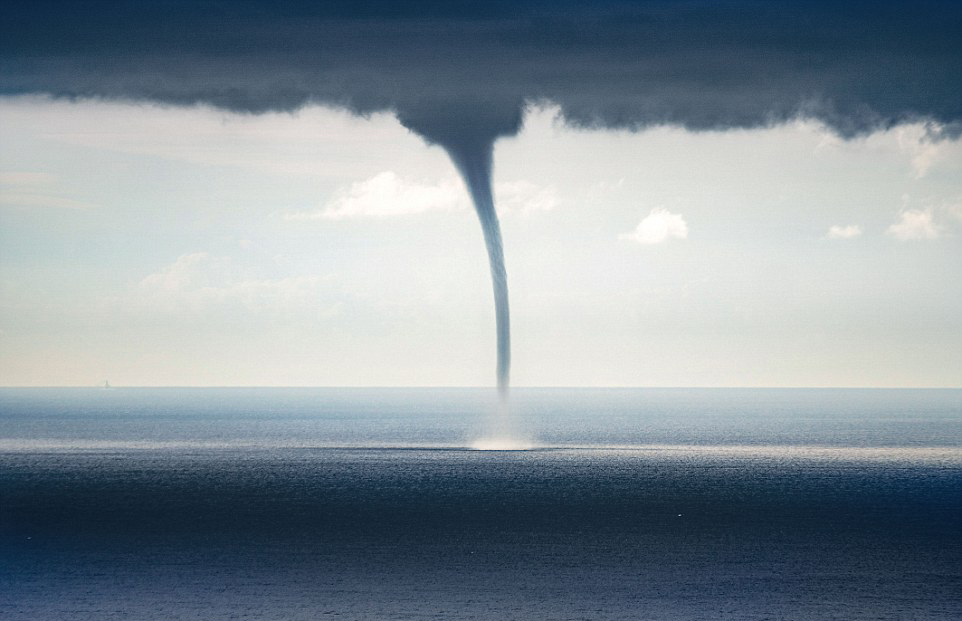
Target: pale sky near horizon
155, 245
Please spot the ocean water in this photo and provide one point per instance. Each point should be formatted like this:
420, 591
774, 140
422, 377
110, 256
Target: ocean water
373, 504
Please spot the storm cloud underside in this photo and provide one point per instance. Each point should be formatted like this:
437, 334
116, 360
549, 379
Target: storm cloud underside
453, 66
460, 74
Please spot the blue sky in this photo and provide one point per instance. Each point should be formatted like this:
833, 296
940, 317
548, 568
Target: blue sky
189, 246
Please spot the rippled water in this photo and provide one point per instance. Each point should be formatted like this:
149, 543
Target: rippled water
371, 504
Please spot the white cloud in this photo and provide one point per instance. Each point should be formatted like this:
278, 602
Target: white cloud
659, 226
915, 224
921, 142
838, 231
200, 283
524, 197
386, 195
189, 272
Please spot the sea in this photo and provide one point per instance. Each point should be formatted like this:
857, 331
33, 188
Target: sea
441, 503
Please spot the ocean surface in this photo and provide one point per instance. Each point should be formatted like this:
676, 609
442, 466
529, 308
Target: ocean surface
648, 504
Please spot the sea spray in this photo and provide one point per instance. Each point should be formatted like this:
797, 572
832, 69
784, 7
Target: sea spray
501, 431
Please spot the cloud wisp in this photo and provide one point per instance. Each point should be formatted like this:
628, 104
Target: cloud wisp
386, 195
198, 284
848, 231
21, 189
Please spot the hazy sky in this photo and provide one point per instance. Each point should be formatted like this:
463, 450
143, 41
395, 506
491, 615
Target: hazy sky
692, 192
153, 245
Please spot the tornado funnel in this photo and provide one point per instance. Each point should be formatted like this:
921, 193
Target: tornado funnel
474, 162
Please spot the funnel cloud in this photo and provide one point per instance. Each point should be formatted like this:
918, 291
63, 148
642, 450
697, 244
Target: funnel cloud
470, 145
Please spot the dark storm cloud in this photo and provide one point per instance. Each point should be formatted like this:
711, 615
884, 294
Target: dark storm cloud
462, 68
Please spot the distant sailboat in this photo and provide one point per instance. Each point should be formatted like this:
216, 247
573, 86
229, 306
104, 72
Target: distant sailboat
106, 385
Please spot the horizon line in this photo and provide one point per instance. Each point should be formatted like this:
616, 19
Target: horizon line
493, 388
